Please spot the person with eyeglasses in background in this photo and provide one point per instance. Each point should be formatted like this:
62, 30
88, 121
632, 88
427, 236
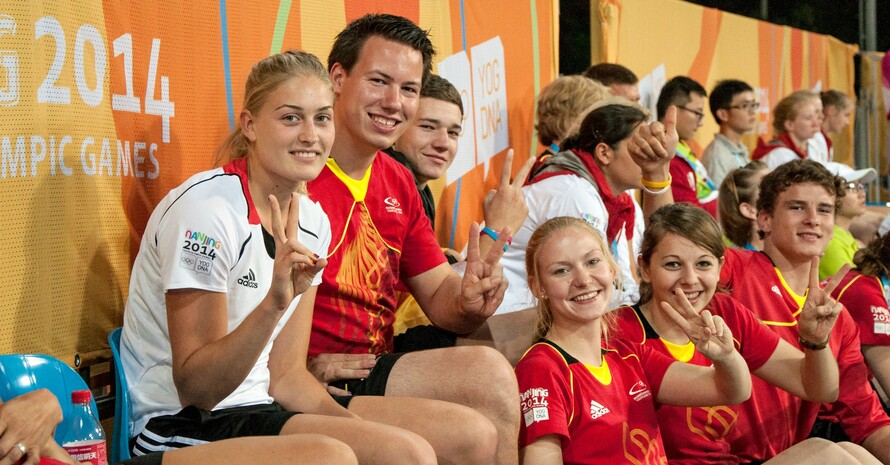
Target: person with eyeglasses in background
734, 107
843, 245
690, 181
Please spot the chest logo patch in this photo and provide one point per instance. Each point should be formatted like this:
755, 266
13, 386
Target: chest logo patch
639, 391
393, 205
597, 410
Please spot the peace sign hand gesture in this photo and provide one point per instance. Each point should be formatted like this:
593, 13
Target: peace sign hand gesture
483, 285
708, 332
505, 206
820, 311
295, 265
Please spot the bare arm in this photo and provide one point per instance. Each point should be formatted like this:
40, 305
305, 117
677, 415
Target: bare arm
652, 147
878, 360
462, 304
291, 384
727, 382
546, 450
819, 368
505, 206
209, 363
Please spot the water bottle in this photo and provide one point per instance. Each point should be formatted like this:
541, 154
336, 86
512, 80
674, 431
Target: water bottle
84, 440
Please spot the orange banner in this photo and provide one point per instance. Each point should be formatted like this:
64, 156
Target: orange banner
105, 106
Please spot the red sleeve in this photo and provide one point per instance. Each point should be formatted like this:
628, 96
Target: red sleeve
629, 327
544, 394
858, 408
864, 299
731, 260
655, 365
686, 191
756, 342
682, 190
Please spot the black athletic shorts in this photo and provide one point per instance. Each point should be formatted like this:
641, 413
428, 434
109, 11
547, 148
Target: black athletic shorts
373, 385
150, 459
193, 426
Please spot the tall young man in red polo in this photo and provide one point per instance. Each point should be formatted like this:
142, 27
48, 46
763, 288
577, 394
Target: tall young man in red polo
382, 238
796, 216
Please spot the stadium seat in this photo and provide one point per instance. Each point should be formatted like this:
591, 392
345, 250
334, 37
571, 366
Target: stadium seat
23, 373
120, 442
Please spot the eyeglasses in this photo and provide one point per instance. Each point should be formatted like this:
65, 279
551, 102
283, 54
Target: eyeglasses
697, 113
747, 106
855, 186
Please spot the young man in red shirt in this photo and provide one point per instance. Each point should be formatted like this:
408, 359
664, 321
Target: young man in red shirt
382, 240
796, 217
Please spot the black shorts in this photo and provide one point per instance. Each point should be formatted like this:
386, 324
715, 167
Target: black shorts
193, 426
373, 385
150, 459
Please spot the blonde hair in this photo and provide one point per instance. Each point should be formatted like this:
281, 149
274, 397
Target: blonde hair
563, 103
265, 77
788, 108
541, 235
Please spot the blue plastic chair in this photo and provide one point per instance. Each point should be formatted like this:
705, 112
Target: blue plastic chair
120, 440
23, 373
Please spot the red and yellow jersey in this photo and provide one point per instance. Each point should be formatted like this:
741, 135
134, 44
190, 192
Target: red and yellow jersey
697, 435
773, 420
380, 238
863, 296
601, 414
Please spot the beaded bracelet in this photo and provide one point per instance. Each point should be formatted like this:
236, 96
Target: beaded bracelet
492, 234
812, 345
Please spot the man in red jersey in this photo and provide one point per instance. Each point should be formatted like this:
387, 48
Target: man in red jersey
382, 240
796, 217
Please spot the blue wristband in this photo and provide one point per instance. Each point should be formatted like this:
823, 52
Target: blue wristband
492, 234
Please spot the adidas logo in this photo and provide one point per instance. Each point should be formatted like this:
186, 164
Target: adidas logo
597, 410
248, 280
777, 291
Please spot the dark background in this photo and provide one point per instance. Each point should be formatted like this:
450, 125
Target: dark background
838, 18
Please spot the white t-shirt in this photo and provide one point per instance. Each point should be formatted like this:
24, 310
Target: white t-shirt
817, 150
565, 195
205, 234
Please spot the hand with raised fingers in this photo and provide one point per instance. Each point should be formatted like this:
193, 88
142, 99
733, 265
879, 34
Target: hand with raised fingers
708, 332
653, 144
505, 206
483, 284
820, 310
295, 265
